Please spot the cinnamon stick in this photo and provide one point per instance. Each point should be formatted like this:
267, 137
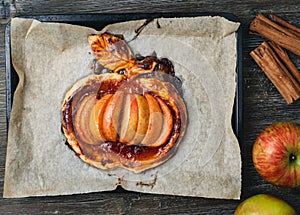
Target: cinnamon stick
282, 35
276, 71
288, 63
293, 28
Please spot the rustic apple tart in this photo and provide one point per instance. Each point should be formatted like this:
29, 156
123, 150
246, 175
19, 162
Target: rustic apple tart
132, 115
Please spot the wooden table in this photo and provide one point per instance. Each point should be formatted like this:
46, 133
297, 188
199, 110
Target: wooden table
262, 106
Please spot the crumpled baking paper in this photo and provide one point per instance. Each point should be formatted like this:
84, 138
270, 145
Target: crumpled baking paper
50, 57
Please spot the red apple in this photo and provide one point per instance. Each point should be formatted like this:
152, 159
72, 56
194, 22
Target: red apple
276, 154
263, 204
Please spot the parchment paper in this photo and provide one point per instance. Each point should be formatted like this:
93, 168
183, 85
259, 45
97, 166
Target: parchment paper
50, 57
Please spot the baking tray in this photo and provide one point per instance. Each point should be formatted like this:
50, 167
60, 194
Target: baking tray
99, 21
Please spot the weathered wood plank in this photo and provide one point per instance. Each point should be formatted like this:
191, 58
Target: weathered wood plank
3, 128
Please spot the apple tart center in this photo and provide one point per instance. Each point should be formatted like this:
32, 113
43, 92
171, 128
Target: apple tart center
130, 119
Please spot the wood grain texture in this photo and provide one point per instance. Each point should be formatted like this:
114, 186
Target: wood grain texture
3, 127
262, 106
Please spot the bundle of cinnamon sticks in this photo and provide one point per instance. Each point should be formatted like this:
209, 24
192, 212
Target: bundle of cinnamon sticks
272, 56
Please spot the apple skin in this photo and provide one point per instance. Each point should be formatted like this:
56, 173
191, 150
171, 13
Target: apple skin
276, 154
264, 204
